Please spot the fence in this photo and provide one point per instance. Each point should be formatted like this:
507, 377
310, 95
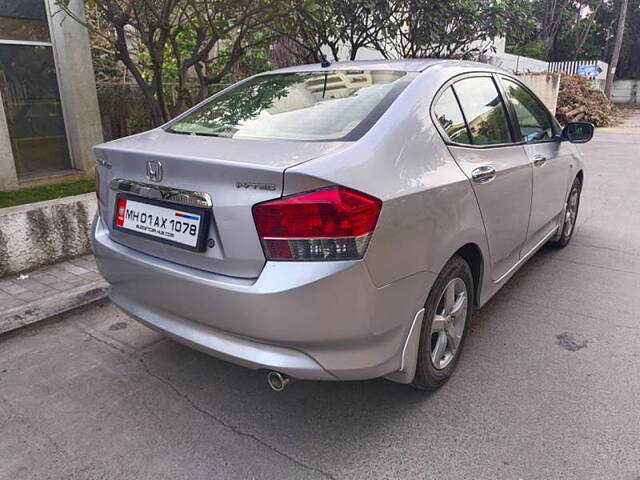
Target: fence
599, 74
517, 64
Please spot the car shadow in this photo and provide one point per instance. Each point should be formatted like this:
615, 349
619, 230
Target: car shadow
332, 413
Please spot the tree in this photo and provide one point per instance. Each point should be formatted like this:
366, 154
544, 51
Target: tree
397, 28
308, 27
457, 28
629, 63
617, 48
361, 23
183, 39
579, 30
340, 26
552, 20
584, 27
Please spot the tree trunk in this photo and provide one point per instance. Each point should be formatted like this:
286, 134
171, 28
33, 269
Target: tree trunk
582, 38
617, 48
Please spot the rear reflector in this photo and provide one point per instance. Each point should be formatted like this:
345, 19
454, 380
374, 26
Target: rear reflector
333, 223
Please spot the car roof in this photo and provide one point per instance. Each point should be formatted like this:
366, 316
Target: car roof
405, 65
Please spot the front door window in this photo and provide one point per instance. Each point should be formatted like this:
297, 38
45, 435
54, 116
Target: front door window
532, 115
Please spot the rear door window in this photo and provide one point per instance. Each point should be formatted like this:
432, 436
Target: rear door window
448, 114
532, 115
484, 110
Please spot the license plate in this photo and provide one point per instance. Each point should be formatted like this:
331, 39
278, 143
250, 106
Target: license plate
183, 226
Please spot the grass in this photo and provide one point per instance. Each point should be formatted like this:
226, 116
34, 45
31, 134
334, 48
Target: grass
47, 192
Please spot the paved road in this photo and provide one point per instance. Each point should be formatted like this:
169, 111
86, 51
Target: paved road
97, 396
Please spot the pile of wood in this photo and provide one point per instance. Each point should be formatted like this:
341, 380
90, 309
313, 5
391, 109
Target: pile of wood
580, 101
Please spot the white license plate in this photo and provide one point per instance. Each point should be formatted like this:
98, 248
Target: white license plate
164, 223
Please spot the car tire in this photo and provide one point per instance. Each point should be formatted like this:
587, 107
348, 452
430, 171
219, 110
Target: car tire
447, 317
570, 215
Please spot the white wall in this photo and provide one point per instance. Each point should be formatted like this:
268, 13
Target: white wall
545, 86
626, 91
8, 174
77, 84
516, 63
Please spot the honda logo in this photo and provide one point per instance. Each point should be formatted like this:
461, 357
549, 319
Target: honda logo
154, 170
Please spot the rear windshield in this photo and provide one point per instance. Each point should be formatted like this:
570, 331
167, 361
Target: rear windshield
333, 105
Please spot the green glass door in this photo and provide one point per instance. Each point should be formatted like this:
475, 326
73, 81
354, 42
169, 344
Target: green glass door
29, 88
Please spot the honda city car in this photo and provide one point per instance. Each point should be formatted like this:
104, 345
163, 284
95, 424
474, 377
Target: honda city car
337, 221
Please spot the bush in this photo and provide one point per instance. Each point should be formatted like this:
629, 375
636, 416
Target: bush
123, 110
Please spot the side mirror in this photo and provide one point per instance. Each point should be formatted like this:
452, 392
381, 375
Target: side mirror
578, 132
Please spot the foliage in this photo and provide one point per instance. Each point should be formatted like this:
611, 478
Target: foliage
532, 49
179, 51
457, 28
123, 109
397, 28
48, 192
179, 42
561, 30
629, 65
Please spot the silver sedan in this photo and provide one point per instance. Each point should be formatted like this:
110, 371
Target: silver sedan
336, 222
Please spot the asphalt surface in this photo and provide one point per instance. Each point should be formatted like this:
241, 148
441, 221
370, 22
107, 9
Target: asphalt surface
548, 386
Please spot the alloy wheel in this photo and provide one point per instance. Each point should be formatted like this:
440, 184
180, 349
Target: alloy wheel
571, 213
448, 323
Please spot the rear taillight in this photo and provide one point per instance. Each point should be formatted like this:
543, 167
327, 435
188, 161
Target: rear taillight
333, 223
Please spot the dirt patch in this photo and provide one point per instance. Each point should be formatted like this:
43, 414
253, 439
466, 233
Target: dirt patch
118, 326
571, 342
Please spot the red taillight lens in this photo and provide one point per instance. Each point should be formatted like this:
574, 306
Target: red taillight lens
333, 223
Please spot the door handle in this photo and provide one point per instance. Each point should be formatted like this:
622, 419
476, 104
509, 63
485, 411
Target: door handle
539, 160
483, 174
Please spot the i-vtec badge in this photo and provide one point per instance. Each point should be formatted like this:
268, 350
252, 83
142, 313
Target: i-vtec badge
256, 186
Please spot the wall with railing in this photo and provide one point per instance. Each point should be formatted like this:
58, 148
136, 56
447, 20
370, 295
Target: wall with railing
519, 65
598, 78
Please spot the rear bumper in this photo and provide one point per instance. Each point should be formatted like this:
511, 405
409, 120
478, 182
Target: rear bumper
310, 320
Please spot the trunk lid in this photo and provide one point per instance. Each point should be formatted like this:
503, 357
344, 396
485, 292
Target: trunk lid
236, 173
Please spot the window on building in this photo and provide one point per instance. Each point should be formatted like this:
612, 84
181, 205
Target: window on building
484, 110
29, 90
24, 20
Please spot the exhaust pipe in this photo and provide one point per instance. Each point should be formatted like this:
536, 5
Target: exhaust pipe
278, 382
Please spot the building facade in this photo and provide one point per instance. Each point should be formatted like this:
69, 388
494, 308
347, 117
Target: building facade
49, 115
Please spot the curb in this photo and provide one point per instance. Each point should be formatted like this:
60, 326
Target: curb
43, 233
54, 305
